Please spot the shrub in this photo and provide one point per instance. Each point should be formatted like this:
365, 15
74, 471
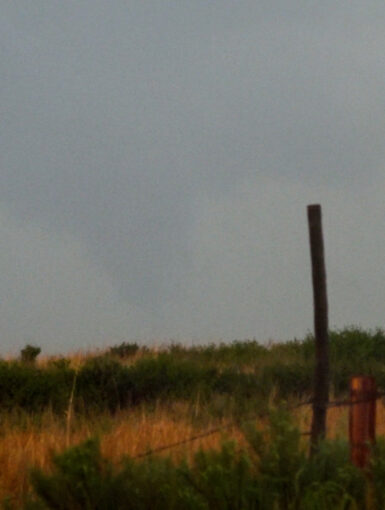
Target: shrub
166, 377
273, 471
216, 373
29, 354
83, 480
354, 345
124, 350
103, 383
33, 389
293, 379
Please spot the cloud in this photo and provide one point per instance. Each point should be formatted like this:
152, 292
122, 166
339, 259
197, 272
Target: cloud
52, 294
251, 275
167, 152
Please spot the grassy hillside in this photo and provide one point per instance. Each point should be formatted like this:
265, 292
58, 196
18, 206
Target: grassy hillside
137, 399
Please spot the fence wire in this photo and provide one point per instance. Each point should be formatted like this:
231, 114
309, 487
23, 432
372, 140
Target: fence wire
240, 422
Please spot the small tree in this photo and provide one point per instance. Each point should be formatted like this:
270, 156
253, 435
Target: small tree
29, 354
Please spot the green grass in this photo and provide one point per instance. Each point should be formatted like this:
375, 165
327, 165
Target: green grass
242, 371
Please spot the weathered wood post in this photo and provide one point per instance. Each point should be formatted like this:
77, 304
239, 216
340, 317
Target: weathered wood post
321, 329
362, 419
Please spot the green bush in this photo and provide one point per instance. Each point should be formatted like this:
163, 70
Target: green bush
222, 479
237, 353
124, 350
164, 376
354, 351
33, 389
240, 372
29, 354
293, 379
83, 480
272, 472
103, 384
354, 345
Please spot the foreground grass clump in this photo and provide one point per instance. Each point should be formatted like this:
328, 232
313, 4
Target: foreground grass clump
270, 469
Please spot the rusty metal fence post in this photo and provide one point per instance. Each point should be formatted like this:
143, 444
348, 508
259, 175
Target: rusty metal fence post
362, 419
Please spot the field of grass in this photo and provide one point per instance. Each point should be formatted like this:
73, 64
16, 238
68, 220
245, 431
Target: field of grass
81, 421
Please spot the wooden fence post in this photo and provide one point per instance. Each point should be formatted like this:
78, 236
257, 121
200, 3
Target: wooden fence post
321, 329
362, 419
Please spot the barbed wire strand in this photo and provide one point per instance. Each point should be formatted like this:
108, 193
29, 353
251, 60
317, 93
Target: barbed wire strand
349, 402
240, 422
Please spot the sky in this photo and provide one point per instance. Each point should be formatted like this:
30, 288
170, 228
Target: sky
157, 158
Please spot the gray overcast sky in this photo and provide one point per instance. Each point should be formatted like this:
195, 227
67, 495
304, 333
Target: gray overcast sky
157, 157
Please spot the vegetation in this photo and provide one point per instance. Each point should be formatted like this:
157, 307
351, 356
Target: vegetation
29, 353
124, 350
135, 399
272, 470
244, 372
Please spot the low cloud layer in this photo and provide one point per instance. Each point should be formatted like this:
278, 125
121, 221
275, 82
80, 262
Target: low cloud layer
156, 160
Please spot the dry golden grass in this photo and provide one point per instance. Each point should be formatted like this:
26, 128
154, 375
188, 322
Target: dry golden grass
338, 420
30, 441
75, 358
